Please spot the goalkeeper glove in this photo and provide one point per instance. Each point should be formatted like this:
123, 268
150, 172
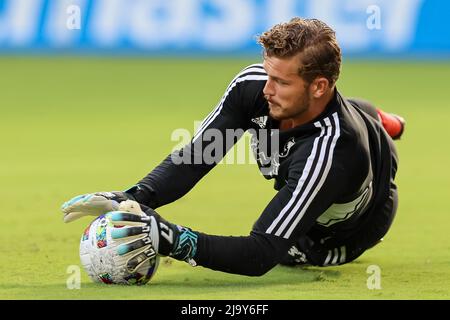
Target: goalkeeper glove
149, 227
94, 204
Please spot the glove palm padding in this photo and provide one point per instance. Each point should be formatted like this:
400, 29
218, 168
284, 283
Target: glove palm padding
93, 204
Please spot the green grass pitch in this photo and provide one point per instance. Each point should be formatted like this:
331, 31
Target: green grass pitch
76, 125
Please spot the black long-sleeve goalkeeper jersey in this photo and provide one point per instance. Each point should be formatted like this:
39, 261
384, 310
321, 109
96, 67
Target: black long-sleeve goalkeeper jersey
332, 174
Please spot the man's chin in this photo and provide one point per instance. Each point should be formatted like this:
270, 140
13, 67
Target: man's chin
275, 115
274, 112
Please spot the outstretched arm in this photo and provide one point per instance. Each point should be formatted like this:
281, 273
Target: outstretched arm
220, 130
181, 170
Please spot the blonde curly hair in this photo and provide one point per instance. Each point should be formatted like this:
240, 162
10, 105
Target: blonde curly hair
315, 41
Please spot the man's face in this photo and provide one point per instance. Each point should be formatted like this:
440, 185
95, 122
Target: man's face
286, 92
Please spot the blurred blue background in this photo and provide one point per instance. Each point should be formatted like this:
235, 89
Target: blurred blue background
364, 27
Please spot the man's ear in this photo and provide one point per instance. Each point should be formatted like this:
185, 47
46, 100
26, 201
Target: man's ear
319, 87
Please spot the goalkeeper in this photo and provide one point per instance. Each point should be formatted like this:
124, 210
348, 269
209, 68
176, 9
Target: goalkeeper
333, 164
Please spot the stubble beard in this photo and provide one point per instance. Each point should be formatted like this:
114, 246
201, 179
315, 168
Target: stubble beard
301, 108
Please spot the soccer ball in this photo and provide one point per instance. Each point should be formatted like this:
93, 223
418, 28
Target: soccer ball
99, 257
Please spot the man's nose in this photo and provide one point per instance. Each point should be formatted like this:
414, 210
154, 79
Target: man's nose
269, 90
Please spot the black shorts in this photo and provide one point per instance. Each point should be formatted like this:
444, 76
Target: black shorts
340, 250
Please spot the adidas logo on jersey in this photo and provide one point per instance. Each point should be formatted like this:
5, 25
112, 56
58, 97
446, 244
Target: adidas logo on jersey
260, 121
